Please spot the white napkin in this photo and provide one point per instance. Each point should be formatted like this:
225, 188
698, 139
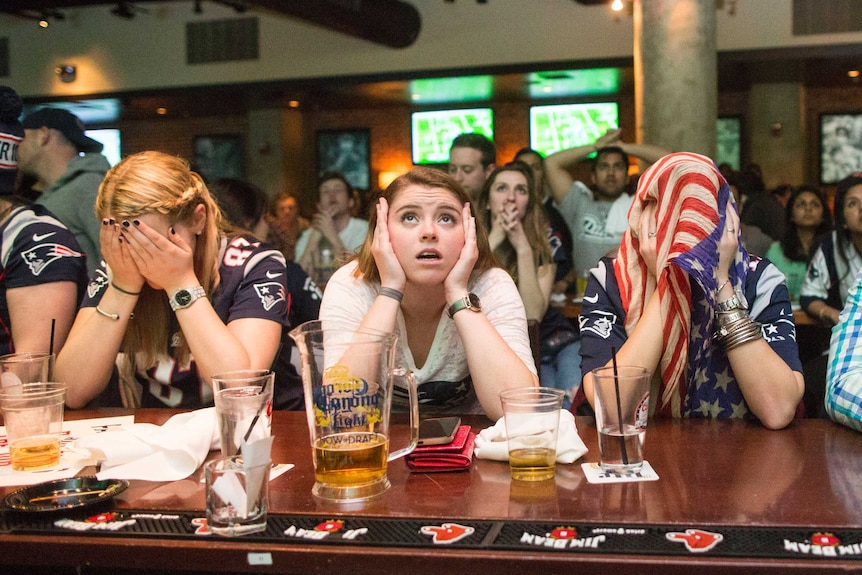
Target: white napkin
150, 452
491, 443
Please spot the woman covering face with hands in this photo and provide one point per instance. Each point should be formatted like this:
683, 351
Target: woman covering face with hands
179, 297
426, 271
727, 345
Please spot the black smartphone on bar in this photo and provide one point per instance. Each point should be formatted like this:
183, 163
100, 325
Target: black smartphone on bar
438, 430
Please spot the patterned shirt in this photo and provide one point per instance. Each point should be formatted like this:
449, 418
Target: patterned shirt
35, 249
712, 393
252, 285
844, 375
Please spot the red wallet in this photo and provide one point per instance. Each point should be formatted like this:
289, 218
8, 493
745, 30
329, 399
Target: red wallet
456, 455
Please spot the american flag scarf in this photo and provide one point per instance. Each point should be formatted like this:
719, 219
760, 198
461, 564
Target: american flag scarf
692, 197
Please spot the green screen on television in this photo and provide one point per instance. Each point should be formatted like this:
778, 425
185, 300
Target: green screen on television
434, 131
728, 138
560, 127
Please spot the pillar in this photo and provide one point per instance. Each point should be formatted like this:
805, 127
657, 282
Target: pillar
676, 74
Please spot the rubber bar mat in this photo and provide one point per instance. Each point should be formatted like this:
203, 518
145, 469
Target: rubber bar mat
562, 537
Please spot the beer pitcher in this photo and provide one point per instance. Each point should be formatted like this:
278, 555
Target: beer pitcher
348, 377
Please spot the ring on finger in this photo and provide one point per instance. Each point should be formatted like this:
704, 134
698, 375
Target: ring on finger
651, 234
730, 230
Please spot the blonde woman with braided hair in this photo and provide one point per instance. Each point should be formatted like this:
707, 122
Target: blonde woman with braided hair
179, 296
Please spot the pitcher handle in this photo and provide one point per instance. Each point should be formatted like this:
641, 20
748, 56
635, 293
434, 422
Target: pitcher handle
414, 413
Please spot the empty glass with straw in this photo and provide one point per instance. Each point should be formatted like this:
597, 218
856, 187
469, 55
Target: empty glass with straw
243, 402
621, 395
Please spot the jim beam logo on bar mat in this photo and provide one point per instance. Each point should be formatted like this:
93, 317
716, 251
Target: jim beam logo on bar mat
562, 538
824, 544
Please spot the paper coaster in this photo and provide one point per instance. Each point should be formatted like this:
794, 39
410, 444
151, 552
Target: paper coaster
595, 474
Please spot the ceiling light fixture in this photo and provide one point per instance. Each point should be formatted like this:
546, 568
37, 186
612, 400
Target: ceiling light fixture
617, 5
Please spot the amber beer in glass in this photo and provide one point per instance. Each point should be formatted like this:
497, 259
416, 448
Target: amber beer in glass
348, 377
33, 415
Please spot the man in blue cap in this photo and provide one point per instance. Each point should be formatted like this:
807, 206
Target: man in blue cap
69, 168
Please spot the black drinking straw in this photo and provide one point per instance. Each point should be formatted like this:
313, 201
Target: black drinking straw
51, 341
619, 408
255, 418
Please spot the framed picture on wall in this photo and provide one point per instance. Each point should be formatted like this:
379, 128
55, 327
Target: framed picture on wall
218, 156
347, 152
840, 146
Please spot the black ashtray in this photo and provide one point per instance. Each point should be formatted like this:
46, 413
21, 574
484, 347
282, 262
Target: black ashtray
64, 494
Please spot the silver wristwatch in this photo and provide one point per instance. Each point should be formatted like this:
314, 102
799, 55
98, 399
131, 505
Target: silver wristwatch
469, 301
185, 297
736, 301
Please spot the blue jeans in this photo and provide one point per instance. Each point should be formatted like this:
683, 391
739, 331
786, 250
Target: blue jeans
564, 372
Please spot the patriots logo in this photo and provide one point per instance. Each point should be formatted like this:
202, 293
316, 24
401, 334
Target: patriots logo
600, 326
270, 293
41, 256
100, 280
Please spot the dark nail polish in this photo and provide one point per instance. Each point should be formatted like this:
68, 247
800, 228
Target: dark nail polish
173, 231
126, 223
112, 221
136, 222
104, 222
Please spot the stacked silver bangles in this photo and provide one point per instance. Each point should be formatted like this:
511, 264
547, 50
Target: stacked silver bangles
736, 328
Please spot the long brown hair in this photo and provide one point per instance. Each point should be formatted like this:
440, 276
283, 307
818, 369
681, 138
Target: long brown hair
426, 178
158, 183
535, 222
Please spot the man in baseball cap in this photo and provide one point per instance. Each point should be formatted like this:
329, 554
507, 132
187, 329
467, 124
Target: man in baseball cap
64, 122
69, 167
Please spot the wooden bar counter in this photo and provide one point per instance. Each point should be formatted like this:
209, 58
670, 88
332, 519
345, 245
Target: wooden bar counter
717, 476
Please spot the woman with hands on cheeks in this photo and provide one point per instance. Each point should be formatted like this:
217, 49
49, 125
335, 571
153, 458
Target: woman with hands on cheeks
727, 347
426, 271
178, 295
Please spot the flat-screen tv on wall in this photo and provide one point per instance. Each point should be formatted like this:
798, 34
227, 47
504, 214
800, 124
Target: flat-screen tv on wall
433, 131
110, 139
728, 148
563, 126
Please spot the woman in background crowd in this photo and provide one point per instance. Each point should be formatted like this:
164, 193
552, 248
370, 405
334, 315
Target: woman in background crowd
807, 217
180, 296
564, 281
838, 256
521, 238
